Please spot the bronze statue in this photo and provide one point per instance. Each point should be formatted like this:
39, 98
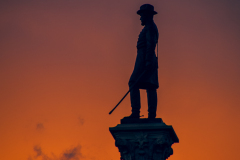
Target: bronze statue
145, 73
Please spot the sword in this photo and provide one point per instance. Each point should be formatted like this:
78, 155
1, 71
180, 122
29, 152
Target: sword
128, 91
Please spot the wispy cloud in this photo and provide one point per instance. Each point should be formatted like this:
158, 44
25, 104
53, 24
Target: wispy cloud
72, 154
80, 120
38, 151
39, 126
69, 154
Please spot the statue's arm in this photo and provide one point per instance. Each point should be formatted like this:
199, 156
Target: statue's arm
151, 36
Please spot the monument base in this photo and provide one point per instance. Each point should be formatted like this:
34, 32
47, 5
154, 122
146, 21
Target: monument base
144, 139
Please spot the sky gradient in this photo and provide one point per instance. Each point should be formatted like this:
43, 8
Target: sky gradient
64, 64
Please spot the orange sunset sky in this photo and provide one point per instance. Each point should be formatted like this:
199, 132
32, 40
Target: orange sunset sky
64, 64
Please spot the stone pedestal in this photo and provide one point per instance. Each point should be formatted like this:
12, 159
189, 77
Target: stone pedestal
143, 139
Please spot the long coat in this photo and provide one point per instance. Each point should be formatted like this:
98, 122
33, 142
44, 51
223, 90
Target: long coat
146, 45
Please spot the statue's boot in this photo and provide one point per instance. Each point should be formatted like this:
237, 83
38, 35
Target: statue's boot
135, 103
134, 115
152, 103
151, 115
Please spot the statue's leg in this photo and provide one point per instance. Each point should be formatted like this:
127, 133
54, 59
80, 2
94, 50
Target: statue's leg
135, 102
152, 102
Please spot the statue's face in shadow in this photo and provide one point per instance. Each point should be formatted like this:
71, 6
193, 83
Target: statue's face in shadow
143, 19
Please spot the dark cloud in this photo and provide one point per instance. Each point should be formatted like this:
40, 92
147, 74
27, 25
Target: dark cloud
39, 126
40, 155
80, 120
70, 154
38, 151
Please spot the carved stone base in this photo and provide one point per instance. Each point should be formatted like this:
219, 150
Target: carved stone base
144, 141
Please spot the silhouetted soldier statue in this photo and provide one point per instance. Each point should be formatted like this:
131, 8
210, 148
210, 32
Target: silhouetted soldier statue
144, 139
146, 64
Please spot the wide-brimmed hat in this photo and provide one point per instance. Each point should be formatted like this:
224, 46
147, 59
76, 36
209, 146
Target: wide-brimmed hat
146, 8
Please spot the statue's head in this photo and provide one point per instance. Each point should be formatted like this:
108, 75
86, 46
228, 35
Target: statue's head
146, 12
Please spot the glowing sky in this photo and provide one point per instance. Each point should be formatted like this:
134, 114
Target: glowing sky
64, 64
